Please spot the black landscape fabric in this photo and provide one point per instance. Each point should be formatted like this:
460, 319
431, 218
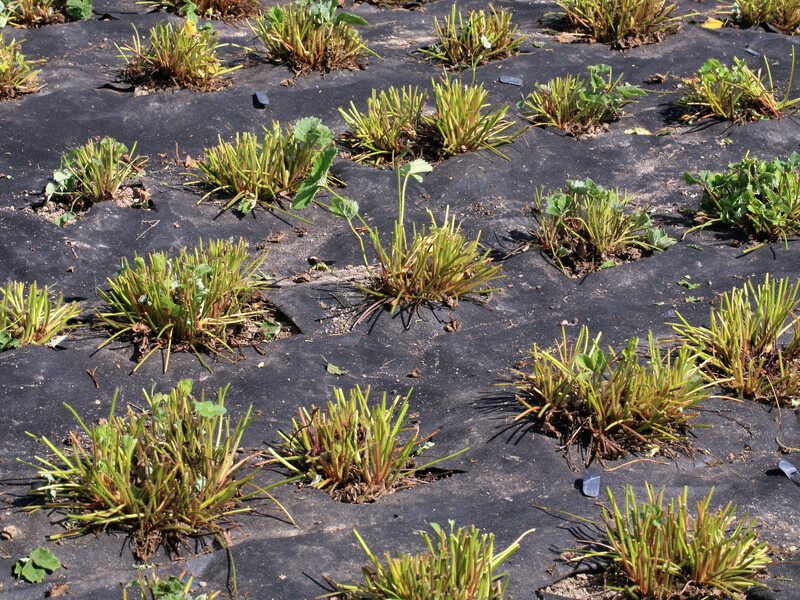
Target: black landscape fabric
452, 357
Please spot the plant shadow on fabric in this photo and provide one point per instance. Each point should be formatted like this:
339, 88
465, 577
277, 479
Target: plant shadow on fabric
162, 473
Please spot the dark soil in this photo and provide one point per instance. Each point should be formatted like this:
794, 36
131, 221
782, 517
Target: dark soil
456, 355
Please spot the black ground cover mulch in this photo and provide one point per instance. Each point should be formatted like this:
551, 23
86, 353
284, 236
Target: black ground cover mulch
510, 467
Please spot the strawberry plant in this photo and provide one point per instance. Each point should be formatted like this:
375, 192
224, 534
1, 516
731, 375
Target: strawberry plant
479, 39
163, 472
17, 76
581, 108
622, 23
312, 36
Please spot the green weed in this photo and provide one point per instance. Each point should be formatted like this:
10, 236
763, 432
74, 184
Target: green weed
394, 124
662, 550
36, 566
622, 23
33, 13
38, 13
225, 10
153, 587
93, 173
783, 15
460, 123
439, 265
762, 197
254, 172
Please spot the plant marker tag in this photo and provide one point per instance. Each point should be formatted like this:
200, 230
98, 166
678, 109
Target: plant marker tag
511, 80
591, 484
260, 100
790, 471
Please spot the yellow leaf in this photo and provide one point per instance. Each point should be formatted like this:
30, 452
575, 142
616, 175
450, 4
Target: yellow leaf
712, 23
638, 131
190, 27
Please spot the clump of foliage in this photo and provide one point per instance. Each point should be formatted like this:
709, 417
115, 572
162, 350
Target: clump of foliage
210, 299
37, 565
607, 400
354, 451
254, 172
587, 228
663, 550
741, 350
38, 13
93, 173
434, 266
577, 106
394, 125
16, 74
622, 23
184, 57
312, 36
28, 316
479, 39
762, 197
153, 587
458, 565
734, 93
460, 122
161, 473
783, 15
226, 10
